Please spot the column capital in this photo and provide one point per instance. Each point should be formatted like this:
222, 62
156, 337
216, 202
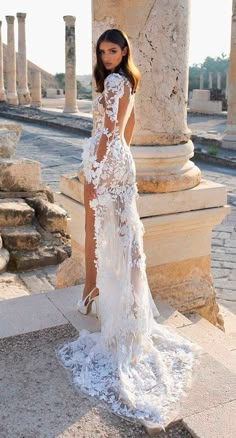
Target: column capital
21, 16
69, 20
10, 19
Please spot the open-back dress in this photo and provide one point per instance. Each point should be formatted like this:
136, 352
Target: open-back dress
139, 367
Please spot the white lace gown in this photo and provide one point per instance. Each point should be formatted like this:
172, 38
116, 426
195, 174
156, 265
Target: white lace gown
137, 366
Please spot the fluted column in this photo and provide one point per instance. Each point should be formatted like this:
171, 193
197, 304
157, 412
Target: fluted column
2, 89
11, 62
23, 90
229, 140
70, 66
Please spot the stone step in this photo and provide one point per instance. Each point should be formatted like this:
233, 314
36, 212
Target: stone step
43, 256
197, 329
15, 212
21, 238
4, 259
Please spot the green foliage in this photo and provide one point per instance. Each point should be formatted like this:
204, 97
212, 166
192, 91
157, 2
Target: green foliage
60, 77
214, 65
213, 150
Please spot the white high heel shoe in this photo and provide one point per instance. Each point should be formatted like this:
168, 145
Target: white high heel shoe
84, 306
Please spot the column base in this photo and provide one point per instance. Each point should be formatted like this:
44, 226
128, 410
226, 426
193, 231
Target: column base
36, 104
177, 240
3, 96
71, 109
12, 99
165, 168
24, 97
229, 141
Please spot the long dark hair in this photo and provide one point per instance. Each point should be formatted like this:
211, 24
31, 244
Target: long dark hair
127, 65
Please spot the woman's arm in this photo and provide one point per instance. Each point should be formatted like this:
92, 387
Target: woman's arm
130, 127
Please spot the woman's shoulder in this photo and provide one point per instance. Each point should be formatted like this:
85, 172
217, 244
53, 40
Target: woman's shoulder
116, 80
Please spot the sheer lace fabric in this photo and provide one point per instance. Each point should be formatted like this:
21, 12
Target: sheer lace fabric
137, 366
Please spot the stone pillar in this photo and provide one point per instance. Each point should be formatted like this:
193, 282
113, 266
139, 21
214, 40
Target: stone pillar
219, 80
23, 90
229, 140
11, 62
70, 66
36, 89
210, 86
201, 81
2, 89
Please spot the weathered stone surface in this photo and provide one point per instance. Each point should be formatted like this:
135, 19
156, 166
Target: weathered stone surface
45, 192
11, 62
22, 238
11, 286
50, 216
186, 285
4, 259
20, 175
0, 241
9, 137
69, 273
45, 255
15, 212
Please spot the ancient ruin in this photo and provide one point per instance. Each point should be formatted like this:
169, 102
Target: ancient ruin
33, 230
70, 63
12, 97
2, 88
23, 90
229, 141
36, 89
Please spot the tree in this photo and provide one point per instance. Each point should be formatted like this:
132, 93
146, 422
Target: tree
60, 77
214, 65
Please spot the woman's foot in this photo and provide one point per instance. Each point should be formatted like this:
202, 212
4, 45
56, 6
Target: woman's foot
84, 305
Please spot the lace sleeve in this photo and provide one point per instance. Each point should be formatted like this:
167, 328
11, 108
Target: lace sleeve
113, 91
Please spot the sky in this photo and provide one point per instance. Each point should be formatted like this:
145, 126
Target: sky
45, 29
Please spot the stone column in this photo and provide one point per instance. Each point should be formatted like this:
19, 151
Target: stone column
201, 86
2, 89
23, 90
219, 80
36, 89
210, 86
229, 140
70, 66
11, 62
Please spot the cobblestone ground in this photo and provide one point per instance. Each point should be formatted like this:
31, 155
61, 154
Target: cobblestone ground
60, 153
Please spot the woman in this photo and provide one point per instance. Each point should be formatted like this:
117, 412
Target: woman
136, 365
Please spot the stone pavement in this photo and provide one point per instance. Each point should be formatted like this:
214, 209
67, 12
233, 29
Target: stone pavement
38, 399
60, 152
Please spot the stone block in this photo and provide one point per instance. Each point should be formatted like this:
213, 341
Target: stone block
44, 255
28, 314
71, 186
15, 212
20, 175
21, 238
4, 259
69, 273
50, 216
217, 422
11, 286
9, 137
